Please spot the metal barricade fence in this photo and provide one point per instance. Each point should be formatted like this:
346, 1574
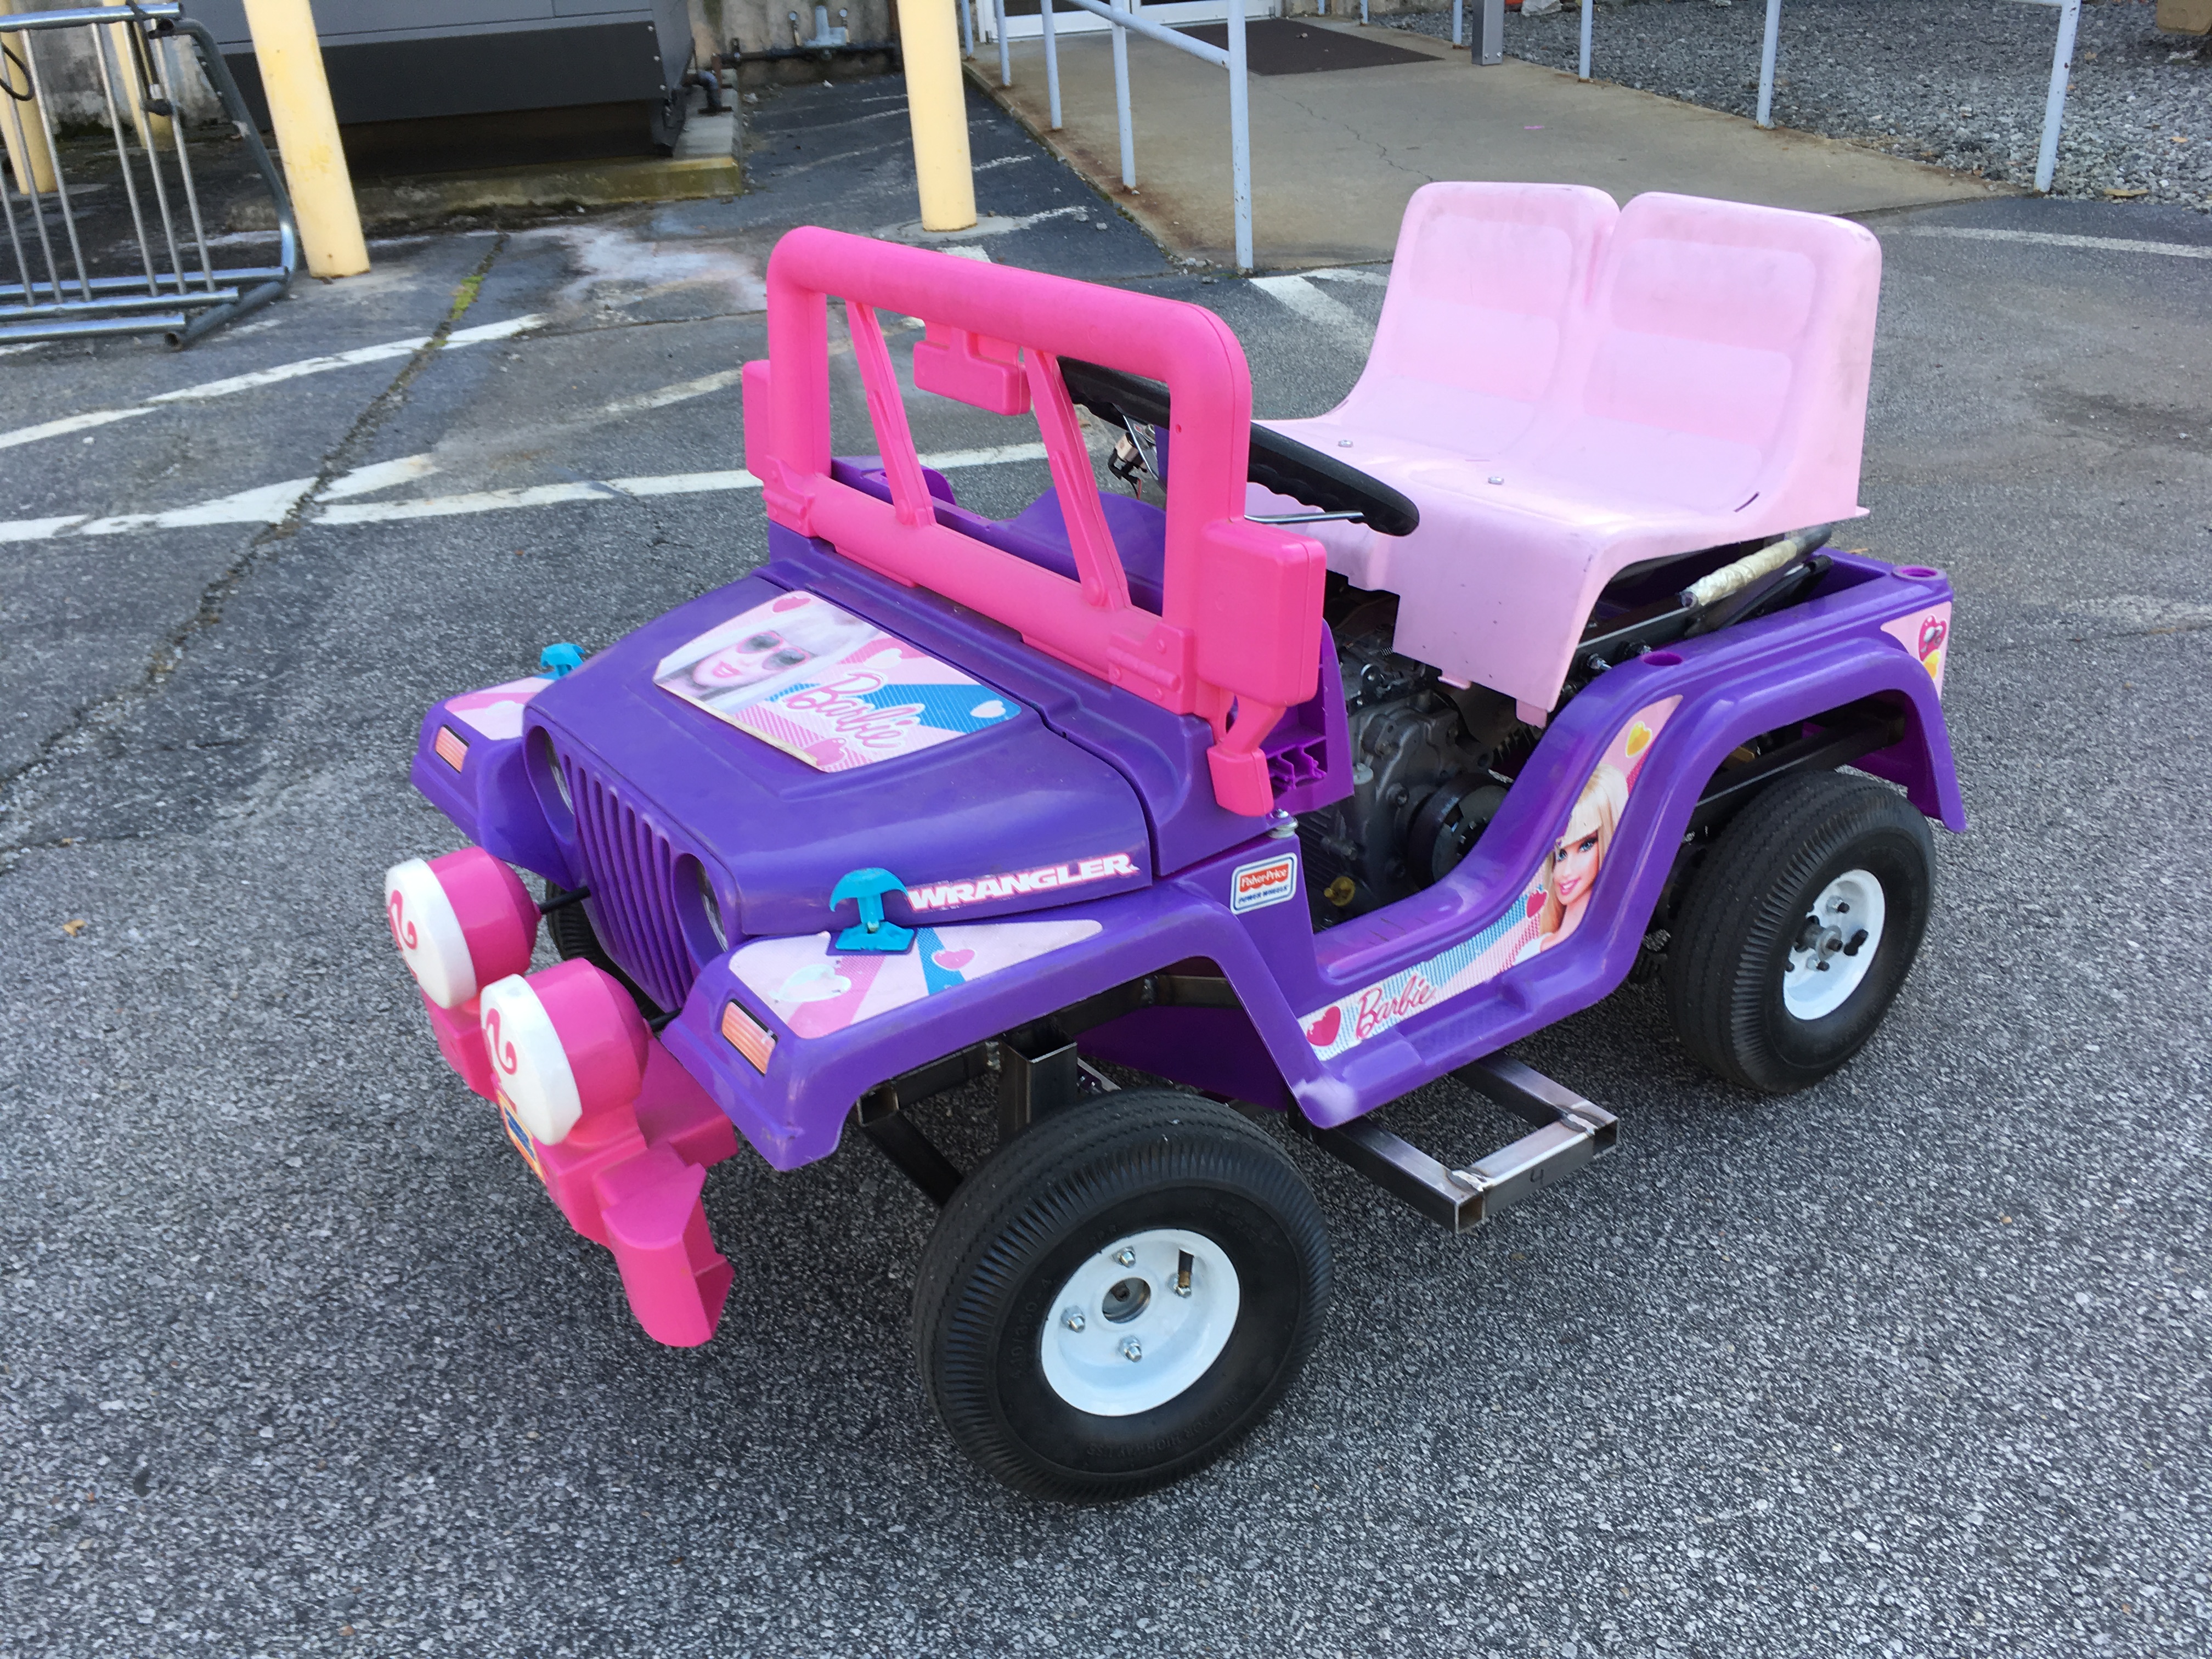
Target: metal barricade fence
176, 288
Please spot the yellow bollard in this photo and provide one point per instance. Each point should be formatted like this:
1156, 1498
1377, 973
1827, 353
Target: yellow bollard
936, 105
292, 78
20, 126
131, 86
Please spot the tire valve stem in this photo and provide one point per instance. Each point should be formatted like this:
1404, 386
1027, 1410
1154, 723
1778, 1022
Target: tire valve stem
1182, 1273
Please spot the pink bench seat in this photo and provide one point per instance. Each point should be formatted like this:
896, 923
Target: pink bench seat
1566, 389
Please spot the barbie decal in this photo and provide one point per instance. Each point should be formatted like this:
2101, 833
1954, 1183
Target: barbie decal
827, 686
1551, 909
1927, 635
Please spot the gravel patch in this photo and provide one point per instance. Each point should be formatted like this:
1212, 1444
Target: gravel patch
1962, 86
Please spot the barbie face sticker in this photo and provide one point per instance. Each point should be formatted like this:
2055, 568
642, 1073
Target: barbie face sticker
1548, 911
826, 686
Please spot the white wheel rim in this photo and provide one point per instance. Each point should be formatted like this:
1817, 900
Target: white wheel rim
1833, 945
1127, 1334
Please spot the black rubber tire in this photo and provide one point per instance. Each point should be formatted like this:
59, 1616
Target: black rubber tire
1018, 1227
1724, 974
574, 936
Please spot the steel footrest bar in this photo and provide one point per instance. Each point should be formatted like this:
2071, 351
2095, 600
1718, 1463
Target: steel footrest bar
1571, 1131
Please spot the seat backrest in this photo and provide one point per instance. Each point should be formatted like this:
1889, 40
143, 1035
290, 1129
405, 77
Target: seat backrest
1723, 363
1486, 280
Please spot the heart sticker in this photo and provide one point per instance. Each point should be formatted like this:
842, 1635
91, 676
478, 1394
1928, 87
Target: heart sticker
953, 960
1322, 1031
992, 710
791, 601
1535, 901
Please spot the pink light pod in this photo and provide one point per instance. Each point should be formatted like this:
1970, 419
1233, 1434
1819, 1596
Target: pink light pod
564, 1044
460, 922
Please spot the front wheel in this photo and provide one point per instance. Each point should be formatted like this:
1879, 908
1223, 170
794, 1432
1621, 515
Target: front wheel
1120, 1294
1799, 930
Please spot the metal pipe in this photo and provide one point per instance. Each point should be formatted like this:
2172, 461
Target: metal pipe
1589, 6
1051, 66
107, 288
11, 113
967, 29
1362, 13
2054, 105
185, 171
1122, 102
60, 183
1731, 578
101, 43
1459, 27
120, 304
1006, 59
33, 161
1240, 135
1152, 30
1766, 63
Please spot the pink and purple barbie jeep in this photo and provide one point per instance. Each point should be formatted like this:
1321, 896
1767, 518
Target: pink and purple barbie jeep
1295, 764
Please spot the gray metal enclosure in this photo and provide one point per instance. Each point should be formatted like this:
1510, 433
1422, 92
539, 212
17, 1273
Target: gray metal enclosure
405, 60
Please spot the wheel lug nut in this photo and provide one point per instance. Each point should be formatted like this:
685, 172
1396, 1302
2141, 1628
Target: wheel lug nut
1072, 1319
1127, 1258
1131, 1349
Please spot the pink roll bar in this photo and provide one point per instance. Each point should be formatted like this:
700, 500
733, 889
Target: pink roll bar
1241, 605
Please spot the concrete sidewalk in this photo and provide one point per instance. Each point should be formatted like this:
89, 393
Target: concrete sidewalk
1336, 155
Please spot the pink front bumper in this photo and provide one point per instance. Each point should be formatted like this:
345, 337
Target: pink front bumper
629, 1178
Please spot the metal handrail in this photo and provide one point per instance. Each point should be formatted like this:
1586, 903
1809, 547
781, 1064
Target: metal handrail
1123, 15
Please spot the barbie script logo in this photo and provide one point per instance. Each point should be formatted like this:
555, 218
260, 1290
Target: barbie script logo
839, 705
502, 1054
403, 930
1380, 1007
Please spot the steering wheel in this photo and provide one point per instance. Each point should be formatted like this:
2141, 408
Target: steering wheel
1282, 464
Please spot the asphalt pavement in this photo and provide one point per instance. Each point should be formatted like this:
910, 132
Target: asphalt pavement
296, 1360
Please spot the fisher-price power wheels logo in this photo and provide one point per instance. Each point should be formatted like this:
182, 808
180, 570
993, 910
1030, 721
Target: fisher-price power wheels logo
1271, 881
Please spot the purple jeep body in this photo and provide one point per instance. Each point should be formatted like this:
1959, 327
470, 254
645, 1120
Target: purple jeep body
1075, 831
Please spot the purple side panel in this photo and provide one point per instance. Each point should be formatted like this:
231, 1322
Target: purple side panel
1212, 1049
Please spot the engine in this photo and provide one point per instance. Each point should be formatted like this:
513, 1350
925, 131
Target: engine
1430, 765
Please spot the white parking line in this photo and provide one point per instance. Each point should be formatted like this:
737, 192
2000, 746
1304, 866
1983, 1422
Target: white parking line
1316, 306
238, 383
271, 503
675, 394
2054, 239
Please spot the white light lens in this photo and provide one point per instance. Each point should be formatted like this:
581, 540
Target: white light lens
428, 934
528, 1064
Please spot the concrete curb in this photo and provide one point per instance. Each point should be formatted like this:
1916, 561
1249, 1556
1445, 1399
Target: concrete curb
582, 184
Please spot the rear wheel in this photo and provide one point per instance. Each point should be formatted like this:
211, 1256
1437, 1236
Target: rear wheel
1120, 1294
1799, 930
